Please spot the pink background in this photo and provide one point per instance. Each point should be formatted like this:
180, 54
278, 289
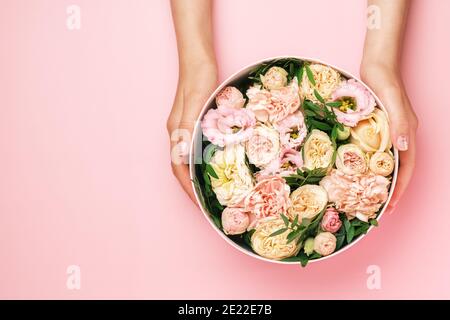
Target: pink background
84, 158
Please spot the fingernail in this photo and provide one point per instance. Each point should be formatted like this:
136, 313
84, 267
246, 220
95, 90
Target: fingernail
402, 143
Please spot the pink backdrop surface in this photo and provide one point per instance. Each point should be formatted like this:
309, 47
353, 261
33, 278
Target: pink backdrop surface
85, 173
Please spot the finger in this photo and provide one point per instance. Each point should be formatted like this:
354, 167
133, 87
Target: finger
406, 169
398, 117
181, 172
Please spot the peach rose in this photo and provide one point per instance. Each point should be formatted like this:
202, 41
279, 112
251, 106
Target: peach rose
269, 198
275, 78
350, 159
292, 130
224, 126
330, 221
357, 102
381, 163
263, 146
325, 243
230, 97
307, 202
234, 220
358, 195
372, 134
274, 105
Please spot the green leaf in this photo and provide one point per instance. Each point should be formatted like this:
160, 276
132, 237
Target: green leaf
315, 255
293, 235
334, 104
295, 222
248, 236
211, 171
285, 219
217, 221
347, 225
318, 96
311, 105
310, 113
300, 74
362, 229
291, 259
374, 222
334, 133
278, 232
320, 125
339, 241
310, 75
303, 259
350, 234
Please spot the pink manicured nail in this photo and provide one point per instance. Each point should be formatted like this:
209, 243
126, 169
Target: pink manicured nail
402, 143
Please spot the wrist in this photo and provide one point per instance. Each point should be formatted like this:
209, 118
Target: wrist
198, 67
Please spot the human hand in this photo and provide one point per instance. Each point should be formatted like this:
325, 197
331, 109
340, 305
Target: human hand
387, 84
195, 85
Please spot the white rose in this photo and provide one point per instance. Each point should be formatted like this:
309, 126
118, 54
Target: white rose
325, 243
275, 247
275, 78
234, 177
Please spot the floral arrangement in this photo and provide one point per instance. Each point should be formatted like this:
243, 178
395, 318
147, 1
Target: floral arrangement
298, 161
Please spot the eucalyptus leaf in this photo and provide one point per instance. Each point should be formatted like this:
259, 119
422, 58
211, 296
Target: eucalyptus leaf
310, 75
285, 220
278, 232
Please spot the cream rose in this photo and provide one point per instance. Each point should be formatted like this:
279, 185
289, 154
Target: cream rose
275, 78
318, 150
372, 134
381, 163
307, 202
327, 80
234, 180
263, 146
325, 243
276, 247
350, 159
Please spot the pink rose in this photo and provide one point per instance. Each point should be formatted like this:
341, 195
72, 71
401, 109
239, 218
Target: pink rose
274, 105
325, 243
286, 164
230, 97
269, 197
263, 146
357, 102
330, 221
224, 125
358, 195
234, 220
292, 130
